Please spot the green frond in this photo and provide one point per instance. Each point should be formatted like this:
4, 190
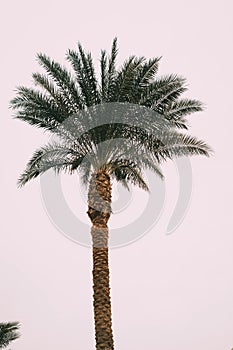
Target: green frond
74, 59
146, 75
160, 93
180, 123
183, 107
89, 72
64, 81
178, 144
112, 58
9, 332
104, 76
47, 85
148, 72
37, 108
112, 70
56, 156
85, 75
126, 78
145, 148
167, 97
139, 158
177, 110
129, 172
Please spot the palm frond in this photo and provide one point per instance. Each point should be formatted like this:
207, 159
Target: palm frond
148, 72
163, 91
126, 171
104, 76
47, 85
183, 107
89, 72
112, 70
176, 144
148, 161
85, 75
37, 108
63, 80
56, 156
125, 79
9, 331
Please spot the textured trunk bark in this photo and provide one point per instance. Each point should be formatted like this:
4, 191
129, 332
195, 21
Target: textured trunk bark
99, 210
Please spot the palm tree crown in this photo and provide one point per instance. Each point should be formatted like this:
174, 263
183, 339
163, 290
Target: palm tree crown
65, 104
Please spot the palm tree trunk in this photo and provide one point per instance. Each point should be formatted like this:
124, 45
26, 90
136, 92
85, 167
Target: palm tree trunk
99, 210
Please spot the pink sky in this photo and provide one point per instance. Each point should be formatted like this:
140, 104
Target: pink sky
168, 292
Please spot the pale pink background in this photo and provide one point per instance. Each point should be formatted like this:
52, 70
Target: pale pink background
168, 292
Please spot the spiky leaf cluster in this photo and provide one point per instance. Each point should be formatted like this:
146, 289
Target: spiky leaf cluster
8, 333
71, 105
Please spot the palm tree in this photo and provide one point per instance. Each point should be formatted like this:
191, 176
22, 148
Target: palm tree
143, 118
8, 333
